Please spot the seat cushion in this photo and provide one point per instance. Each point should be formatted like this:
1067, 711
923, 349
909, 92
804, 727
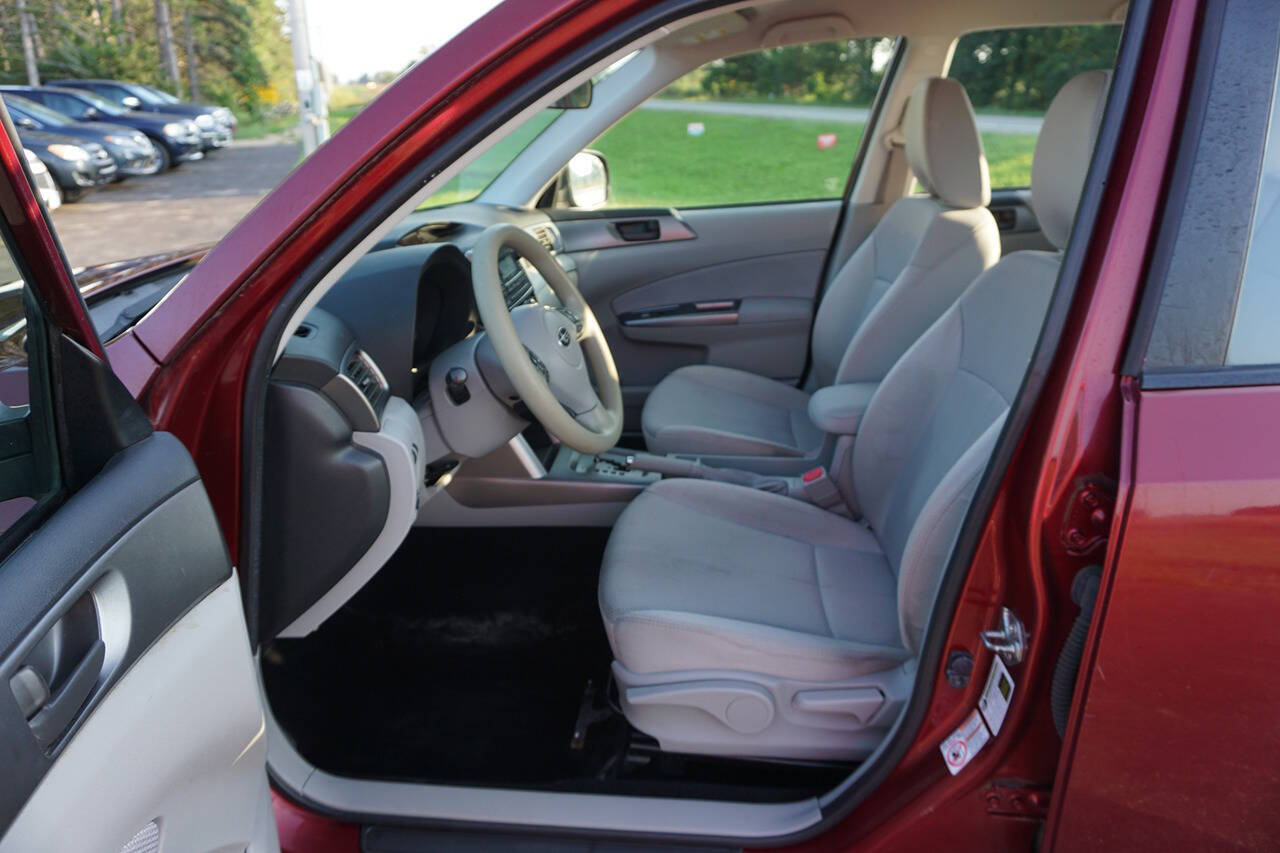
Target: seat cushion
701, 575
717, 410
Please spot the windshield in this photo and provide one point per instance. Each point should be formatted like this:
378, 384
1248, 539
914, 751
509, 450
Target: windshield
39, 112
475, 178
161, 96
102, 105
142, 93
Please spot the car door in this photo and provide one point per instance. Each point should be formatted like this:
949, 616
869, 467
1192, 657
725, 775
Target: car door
130, 715
1172, 743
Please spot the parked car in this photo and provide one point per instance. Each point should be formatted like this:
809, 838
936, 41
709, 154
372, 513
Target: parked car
217, 124
77, 166
46, 186
223, 113
344, 535
176, 138
132, 151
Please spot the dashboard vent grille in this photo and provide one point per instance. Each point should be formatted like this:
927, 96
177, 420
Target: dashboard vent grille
364, 374
547, 236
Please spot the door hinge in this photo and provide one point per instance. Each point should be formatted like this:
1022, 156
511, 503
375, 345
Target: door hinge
1010, 799
1088, 518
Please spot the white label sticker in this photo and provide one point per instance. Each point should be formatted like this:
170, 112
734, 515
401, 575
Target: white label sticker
965, 742
997, 695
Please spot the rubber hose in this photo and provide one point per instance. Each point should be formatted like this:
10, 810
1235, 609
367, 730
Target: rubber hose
1084, 592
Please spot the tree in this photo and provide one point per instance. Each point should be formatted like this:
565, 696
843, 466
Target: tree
1023, 69
193, 63
231, 52
164, 38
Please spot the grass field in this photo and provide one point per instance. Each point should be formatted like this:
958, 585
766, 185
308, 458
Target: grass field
654, 161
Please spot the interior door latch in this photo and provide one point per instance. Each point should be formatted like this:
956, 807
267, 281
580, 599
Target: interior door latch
1009, 639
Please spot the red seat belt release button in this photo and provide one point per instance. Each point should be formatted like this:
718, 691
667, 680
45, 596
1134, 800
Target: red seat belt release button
819, 490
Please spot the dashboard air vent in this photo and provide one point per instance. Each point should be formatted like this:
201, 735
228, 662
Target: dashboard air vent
364, 374
547, 236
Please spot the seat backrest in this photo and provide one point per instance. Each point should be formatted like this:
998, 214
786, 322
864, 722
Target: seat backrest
932, 425
922, 253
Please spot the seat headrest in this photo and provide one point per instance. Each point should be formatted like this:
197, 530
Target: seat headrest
943, 146
1063, 152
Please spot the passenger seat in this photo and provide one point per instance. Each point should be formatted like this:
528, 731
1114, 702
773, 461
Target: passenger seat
908, 271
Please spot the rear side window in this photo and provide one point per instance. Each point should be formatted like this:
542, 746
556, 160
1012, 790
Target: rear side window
1011, 77
1211, 315
1255, 330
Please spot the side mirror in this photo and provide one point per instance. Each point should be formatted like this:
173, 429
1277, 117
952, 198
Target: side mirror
131, 102
578, 99
24, 122
586, 180
90, 114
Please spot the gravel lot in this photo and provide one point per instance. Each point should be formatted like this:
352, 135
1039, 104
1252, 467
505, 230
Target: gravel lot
191, 206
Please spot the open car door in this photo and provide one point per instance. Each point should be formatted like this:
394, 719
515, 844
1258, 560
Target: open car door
130, 713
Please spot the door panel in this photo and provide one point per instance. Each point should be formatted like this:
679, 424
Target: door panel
1019, 228
170, 714
178, 744
750, 272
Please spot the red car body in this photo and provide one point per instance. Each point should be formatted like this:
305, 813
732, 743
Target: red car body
1189, 576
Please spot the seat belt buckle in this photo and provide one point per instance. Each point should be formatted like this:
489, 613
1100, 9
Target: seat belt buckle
820, 490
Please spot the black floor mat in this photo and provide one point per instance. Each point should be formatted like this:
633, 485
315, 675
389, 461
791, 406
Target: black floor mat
465, 658
464, 661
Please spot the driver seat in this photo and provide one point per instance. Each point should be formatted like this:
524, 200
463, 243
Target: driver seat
747, 623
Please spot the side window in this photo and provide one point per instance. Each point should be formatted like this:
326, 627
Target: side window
1255, 330
1213, 292
28, 465
777, 125
1011, 77
64, 104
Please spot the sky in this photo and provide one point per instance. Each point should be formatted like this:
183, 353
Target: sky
353, 37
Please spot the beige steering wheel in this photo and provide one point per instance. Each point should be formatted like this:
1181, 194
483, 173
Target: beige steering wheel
546, 351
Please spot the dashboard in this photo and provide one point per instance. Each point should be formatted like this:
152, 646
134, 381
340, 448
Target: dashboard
349, 427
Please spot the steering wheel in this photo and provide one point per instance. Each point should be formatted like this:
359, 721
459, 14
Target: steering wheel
546, 351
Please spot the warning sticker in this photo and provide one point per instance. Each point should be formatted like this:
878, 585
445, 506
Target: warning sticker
996, 696
965, 742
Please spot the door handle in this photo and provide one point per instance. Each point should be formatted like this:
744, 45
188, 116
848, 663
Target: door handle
58, 710
638, 230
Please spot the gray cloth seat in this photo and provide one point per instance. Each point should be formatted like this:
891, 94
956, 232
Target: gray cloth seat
911, 268
747, 623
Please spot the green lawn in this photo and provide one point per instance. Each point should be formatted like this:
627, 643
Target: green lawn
258, 128
653, 160
1009, 158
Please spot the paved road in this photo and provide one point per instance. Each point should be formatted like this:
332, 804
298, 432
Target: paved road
193, 205
845, 115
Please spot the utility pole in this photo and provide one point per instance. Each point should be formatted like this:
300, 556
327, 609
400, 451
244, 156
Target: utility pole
26, 25
313, 106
